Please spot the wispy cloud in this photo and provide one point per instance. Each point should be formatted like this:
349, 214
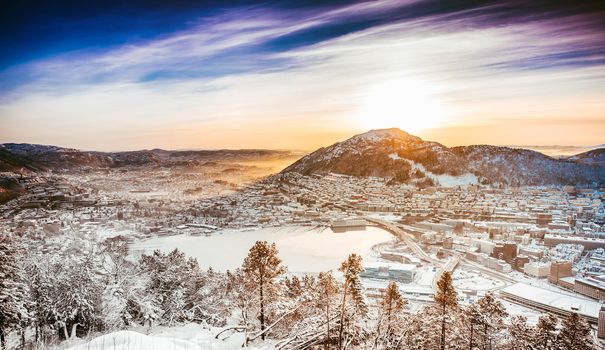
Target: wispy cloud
223, 75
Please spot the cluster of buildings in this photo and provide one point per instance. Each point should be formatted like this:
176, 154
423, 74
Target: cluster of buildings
551, 234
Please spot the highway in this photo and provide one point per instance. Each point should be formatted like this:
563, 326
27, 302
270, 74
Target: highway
449, 265
455, 260
405, 237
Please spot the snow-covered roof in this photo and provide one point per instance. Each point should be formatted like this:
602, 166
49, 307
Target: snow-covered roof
554, 299
390, 265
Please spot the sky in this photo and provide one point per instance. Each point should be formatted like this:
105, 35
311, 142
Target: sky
124, 75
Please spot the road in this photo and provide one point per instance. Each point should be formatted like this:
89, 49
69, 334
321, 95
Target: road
455, 260
449, 265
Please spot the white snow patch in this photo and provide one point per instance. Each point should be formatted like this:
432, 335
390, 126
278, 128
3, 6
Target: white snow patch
444, 179
191, 336
394, 156
129, 340
453, 181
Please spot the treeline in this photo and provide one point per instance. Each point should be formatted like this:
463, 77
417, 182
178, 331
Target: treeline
46, 298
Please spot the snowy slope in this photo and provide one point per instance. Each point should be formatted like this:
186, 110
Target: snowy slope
187, 337
595, 156
129, 340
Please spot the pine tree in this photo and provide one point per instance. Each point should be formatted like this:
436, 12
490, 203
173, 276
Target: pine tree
172, 279
14, 294
545, 334
391, 306
293, 287
327, 288
445, 299
350, 268
520, 334
422, 330
575, 334
122, 287
263, 266
492, 318
213, 300
473, 318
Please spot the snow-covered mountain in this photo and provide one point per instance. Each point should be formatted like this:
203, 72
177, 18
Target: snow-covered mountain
403, 158
595, 156
24, 157
19, 157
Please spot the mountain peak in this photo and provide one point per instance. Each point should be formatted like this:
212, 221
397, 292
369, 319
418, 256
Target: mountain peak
398, 157
381, 134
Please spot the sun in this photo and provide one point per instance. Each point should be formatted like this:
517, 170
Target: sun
403, 103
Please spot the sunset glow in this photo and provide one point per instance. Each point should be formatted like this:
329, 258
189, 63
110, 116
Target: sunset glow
290, 76
302, 175
405, 104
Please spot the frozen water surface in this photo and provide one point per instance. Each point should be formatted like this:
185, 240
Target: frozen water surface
302, 249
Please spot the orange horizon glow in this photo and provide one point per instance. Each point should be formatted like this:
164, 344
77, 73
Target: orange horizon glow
509, 84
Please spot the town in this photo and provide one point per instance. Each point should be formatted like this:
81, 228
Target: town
539, 249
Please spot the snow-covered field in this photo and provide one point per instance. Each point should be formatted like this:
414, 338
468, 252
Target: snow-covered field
514, 310
473, 280
187, 337
301, 249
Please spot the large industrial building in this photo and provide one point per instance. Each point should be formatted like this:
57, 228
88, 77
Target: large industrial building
590, 287
553, 302
348, 225
588, 242
390, 271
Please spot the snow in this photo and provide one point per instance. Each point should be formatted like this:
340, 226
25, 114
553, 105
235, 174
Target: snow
380, 134
394, 156
518, 310
553, 299
384, 216
105, 233
453, 181
302, 249
473, 280
425, 276
187, 337
129, 340
446, 180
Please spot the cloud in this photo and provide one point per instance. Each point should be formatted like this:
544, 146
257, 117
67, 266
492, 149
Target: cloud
223, 75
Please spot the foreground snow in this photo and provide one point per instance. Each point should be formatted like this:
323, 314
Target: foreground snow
187, 337
130, 340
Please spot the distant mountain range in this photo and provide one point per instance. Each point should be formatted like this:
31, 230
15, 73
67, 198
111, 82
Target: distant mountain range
558, 151
403, 158
391, 154
595, 157
24, 157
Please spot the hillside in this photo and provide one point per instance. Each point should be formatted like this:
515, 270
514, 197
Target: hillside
23, 157
595, 156
403, 158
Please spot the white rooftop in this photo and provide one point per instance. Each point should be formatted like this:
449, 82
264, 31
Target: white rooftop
555, 299
390, 265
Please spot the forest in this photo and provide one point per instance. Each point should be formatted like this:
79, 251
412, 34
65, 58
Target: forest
50, 295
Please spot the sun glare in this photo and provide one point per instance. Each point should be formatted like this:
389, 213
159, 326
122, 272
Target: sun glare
406, 104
